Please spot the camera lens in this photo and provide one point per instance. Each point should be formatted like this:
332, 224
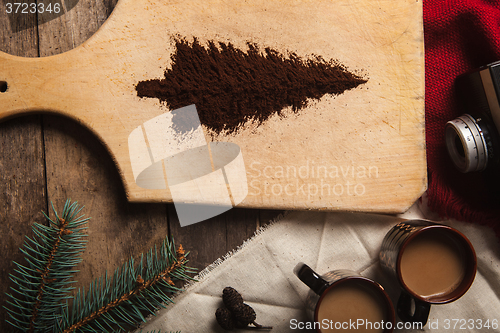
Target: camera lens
466, 144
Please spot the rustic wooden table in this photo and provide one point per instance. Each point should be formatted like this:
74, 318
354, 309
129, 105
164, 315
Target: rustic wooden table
46, 158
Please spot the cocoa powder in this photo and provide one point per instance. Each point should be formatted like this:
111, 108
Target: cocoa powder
230, 86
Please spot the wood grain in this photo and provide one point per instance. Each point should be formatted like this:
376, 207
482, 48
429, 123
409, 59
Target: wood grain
51, 158
18, 33
370, 141
22, 193
79, 167
215, 237
22, 184
75, 27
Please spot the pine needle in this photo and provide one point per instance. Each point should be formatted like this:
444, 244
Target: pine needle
42, 299
130, 295
45, 281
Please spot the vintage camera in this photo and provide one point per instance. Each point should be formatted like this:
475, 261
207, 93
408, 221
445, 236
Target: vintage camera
473, 139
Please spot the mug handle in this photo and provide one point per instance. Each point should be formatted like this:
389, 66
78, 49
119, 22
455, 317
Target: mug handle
421, 313
310, 278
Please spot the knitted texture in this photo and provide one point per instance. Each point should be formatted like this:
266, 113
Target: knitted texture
460, 35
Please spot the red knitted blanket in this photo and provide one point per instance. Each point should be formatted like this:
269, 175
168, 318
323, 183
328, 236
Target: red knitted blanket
460, 35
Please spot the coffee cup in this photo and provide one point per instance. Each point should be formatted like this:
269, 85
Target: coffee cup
345, 300
433, 263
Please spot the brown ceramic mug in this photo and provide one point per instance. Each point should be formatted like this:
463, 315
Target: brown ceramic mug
345, 300
433, 263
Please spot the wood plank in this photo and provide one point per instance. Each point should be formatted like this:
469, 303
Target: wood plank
18, 33
22, 184
267, 216
80, 168
211, 239
75, 26
22, 194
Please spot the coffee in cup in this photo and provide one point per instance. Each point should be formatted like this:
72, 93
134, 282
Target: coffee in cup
344, 300
433, 263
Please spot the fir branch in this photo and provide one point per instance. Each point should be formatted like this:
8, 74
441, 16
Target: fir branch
42, 284
131, 295
43, 302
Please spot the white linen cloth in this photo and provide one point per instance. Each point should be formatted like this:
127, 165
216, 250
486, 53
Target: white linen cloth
262, 271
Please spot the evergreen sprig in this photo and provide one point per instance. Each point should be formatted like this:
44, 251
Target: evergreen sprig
42, 300
45, 281
130, 295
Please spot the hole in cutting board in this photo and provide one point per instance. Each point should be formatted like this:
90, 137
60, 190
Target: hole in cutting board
22, 33
3, 86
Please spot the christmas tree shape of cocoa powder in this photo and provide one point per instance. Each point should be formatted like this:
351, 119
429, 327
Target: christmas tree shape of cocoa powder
231, 87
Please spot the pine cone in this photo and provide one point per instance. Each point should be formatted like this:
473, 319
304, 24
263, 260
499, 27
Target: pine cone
244, 314
236, 314
225, 319
231, 298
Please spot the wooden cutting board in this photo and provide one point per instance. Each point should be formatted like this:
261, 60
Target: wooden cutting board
363, 150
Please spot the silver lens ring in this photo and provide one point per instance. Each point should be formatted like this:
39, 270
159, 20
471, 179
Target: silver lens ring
466, 144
